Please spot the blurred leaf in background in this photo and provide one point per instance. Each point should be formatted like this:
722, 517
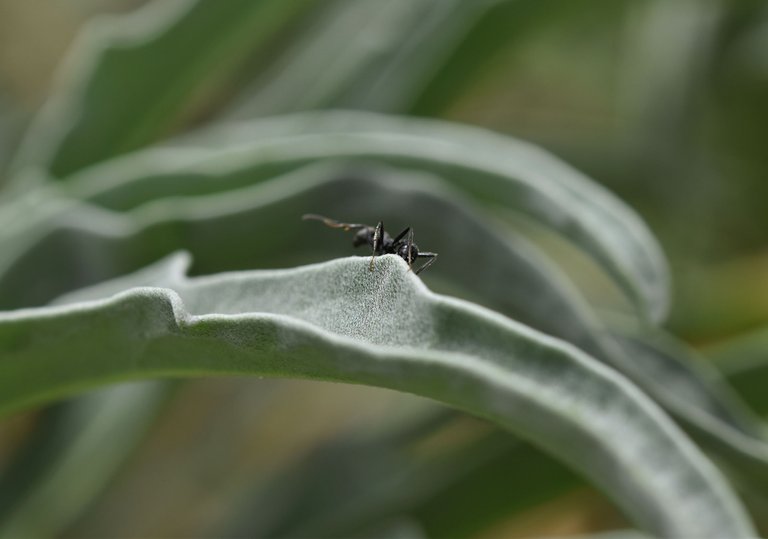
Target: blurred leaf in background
161, 133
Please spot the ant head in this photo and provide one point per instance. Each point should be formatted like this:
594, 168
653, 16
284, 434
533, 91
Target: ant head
402, 252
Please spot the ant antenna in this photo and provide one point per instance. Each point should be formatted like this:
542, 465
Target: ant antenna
333, 223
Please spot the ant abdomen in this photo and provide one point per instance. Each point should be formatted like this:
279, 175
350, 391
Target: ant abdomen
364, 236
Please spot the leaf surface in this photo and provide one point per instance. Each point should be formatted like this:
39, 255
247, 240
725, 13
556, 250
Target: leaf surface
96, 432
111, 99
399, 46
500, 172
744, 361
745, 450
477, 261
337, 321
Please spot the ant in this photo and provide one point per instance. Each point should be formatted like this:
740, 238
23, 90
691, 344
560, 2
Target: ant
382, 243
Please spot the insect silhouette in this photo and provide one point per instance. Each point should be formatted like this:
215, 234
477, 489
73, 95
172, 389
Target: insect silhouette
382, 243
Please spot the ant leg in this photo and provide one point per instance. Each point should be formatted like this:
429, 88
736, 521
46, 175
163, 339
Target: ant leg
333, 223
409, 250
431, 256
400, 236
378, 237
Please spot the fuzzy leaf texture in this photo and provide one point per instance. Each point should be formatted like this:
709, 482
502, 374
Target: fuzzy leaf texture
337, 321
497, 171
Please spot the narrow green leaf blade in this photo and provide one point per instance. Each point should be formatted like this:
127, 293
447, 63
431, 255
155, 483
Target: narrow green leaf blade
744, 361
129, 79
386, 72
745, 451
102, 429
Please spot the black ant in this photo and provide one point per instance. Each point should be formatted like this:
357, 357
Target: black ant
382, 243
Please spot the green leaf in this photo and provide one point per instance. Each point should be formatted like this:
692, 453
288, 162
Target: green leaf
456, 487
481, 498
744, 361
215, 228
745, 451
474, 259
338, 321
500, 172
130, 79
505, 24
613, 534
406, 41
396, 528
99, 432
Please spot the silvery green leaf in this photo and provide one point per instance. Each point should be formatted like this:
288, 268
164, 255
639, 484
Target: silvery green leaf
473, 256
474, 259
500, 172
340, 322
706, 403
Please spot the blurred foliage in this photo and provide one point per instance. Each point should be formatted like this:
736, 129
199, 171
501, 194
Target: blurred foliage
665, 103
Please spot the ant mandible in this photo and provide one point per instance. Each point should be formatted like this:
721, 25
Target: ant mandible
382, 243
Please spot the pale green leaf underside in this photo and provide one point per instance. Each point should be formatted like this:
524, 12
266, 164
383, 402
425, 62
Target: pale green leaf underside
337, 321
498, 171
